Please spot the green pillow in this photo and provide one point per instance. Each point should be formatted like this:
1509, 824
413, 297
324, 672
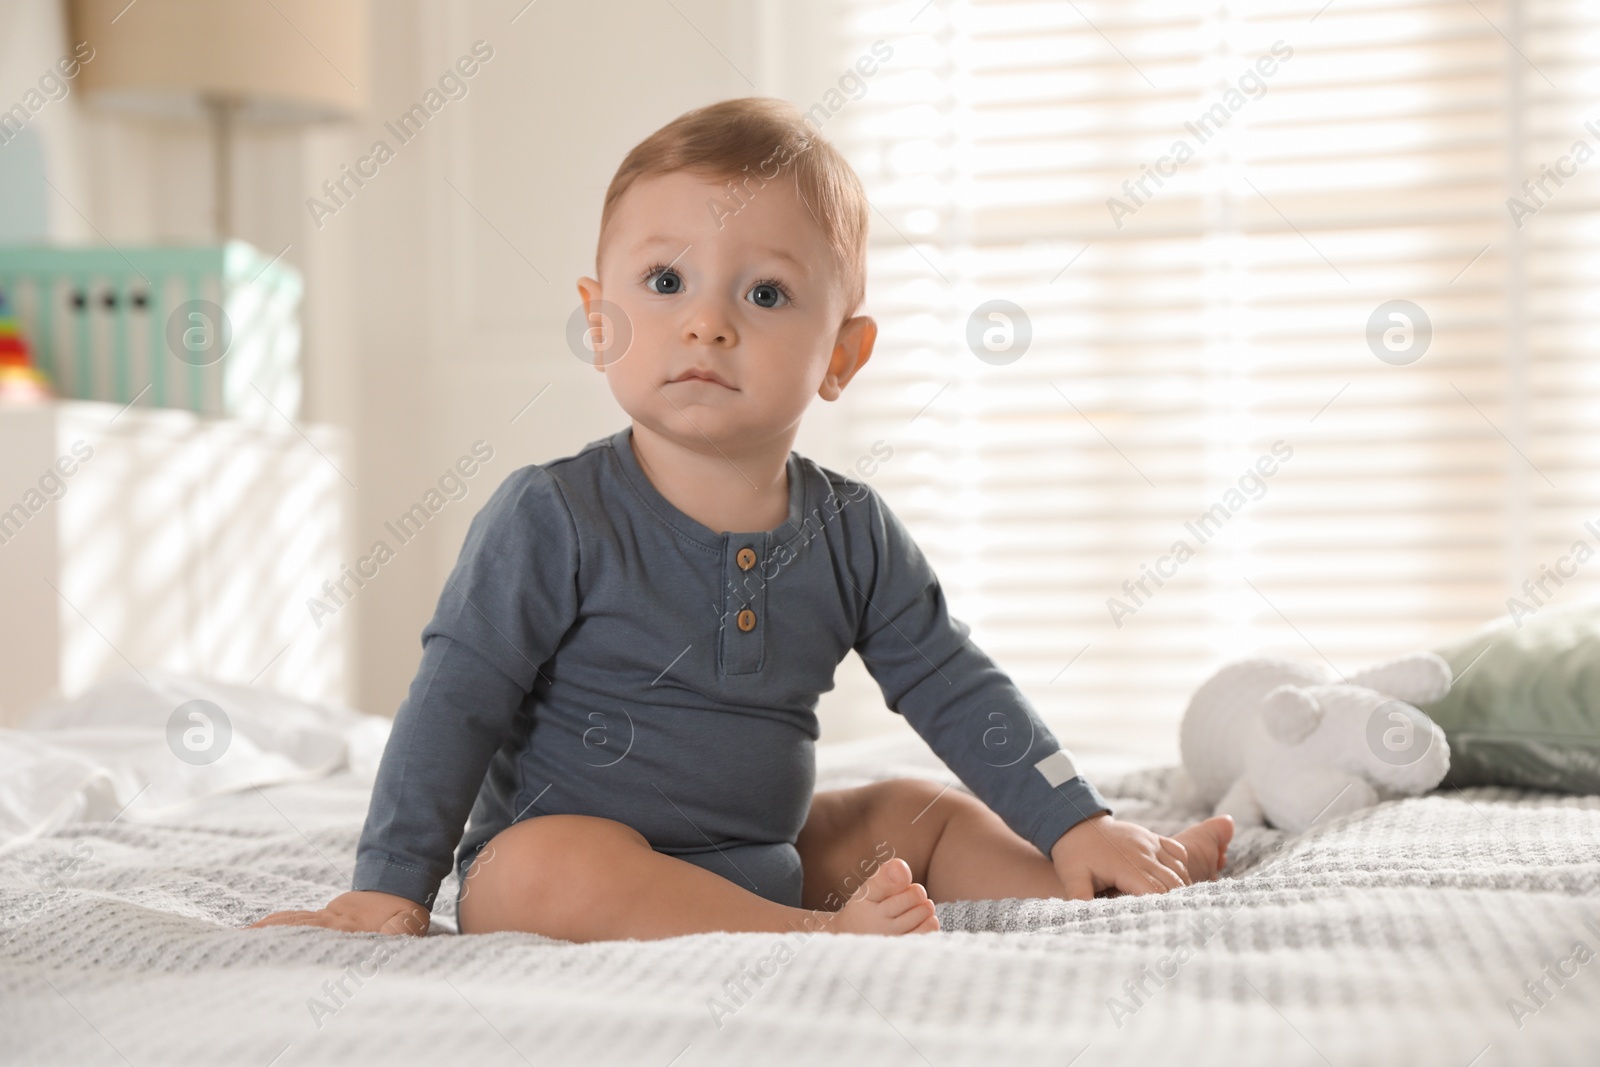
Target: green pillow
1525, 707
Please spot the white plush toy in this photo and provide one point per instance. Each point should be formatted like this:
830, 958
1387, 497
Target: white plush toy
1283, 742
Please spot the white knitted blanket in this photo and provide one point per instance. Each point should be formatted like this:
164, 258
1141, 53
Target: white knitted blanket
1404, 935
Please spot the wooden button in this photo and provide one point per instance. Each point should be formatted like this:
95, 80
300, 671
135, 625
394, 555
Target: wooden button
747, 559
747, 620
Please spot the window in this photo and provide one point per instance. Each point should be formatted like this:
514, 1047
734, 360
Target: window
1223, 437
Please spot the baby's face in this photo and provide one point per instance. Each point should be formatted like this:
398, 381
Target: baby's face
754, 302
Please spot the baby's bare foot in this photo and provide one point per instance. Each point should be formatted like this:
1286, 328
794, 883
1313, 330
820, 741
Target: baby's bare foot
1207, 843
889, 903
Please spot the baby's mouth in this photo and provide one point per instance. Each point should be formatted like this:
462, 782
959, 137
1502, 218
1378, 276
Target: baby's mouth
700, 377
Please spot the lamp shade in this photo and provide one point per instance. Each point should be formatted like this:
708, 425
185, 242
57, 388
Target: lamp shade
283, 61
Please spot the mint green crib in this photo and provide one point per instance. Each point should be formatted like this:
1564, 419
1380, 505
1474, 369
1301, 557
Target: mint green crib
100, 322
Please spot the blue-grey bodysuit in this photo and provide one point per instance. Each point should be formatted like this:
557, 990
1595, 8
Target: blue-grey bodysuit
595, 651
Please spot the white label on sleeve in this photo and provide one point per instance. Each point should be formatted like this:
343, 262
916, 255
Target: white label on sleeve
1057, 768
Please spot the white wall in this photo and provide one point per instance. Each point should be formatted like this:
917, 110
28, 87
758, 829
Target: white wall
428, 324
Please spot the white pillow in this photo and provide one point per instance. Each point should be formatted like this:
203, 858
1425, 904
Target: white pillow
134, 745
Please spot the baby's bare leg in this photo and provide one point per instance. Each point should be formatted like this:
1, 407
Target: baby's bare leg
954, 844
579, 878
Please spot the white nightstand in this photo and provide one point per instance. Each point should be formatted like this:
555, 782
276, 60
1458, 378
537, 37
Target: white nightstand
157, 538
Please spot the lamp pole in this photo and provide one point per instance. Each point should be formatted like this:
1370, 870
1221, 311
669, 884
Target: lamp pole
222, 109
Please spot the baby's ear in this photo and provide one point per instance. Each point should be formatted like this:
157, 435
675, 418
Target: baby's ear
595, 332
1290, 714
588, 290
851, 350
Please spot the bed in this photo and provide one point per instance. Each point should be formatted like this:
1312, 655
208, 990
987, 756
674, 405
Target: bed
1408, 934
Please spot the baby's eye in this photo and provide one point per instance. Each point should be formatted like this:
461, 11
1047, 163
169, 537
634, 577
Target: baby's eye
768, 295
664, 280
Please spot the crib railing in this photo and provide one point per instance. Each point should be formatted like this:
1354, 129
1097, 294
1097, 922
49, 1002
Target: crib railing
213, 329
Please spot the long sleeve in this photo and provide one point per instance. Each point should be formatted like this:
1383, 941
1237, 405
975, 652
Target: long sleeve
968, 710
505, 607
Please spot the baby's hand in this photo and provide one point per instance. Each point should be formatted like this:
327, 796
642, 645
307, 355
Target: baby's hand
362, 910
1102, 853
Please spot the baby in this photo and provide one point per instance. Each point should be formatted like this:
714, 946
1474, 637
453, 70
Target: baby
621, 678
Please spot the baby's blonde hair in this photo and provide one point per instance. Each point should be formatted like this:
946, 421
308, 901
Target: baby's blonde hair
750, 141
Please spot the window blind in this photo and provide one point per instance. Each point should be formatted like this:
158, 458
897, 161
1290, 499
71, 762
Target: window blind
1220, 440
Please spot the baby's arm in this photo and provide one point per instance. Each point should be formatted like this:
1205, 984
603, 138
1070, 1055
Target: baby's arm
461, 708
505, 607
982, 726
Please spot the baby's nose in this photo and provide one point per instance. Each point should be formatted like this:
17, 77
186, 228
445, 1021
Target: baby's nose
709, 324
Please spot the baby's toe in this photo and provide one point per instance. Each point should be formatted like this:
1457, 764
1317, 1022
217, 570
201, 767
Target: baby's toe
914, 918
913, 896
890, 878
